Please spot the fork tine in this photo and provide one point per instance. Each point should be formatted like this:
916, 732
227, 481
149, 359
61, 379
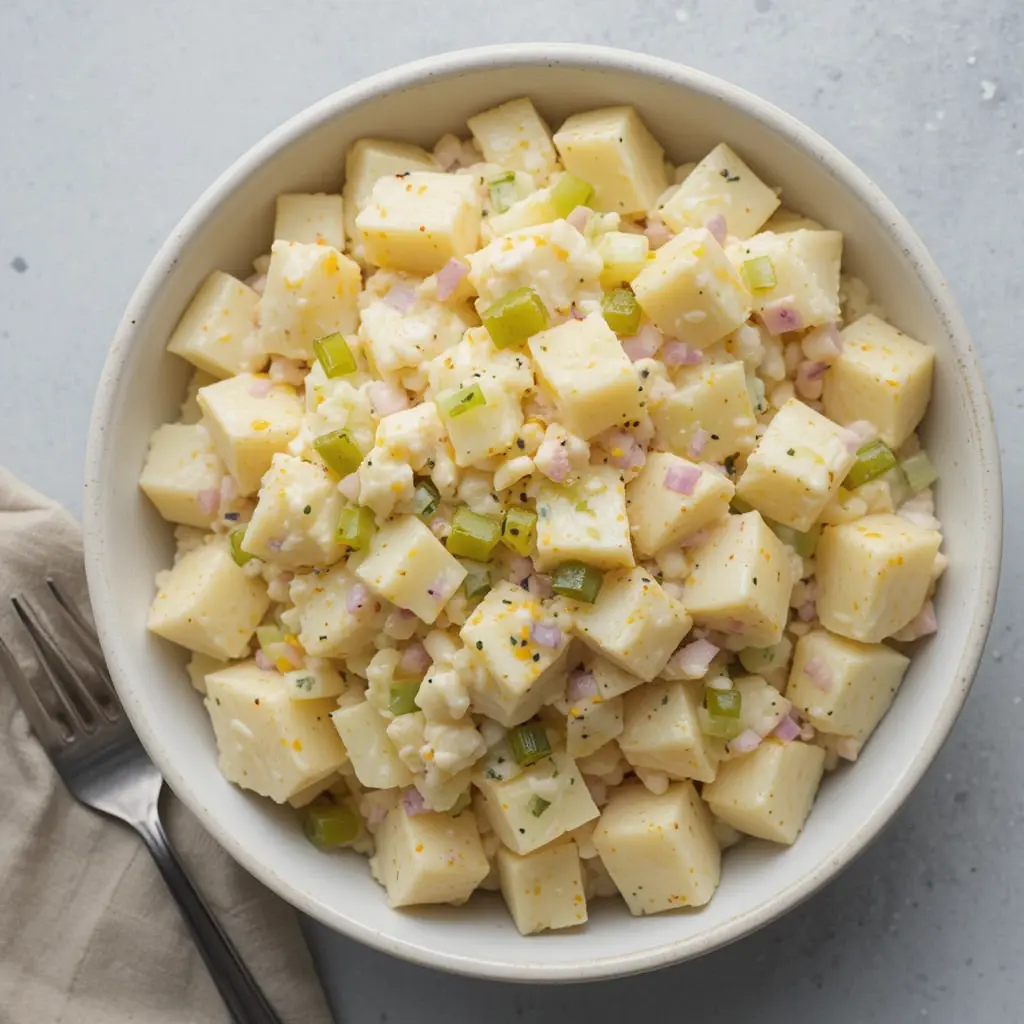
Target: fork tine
39, 718
87, 635
63, 677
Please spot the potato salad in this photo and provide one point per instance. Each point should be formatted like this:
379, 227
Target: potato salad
549, 516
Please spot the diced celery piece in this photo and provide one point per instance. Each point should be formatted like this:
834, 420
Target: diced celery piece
515, 317
517, 530
760, 273
920, 471
457, 403
569, 192
267, 635
473, 535
236, 537
478, 579
339, 451
334, 355
503, 191
624, 256
621, 310
578, 581
766, 659
327, 824
873, 459
402, 698
538, 805
529, 742
803, 543
718, 726
426, 497
723, 703
356, 527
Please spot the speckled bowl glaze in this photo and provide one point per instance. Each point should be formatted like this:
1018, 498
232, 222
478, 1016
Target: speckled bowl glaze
126, 542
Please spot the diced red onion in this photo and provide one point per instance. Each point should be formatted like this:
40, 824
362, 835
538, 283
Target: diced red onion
808, 381
747, 741
209, 500
782, 316
440, 527
545, 635
553, 462
228, 490
718, 228
449, 276
787, 730
657, 233
414, 660
581, 686
521, 567
263, 662
824, 343
413, 802
819, 673
698, 442
440, 588
806, 611
624, 452
579, 218
356, 599
694, 658
261, 387
349, 486
387, 398
576, 313
274, 544
678, 353
682, 479
400, 297
539, 584
644, 343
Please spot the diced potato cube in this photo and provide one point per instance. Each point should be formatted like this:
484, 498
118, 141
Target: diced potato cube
613, 150
873, 575
797, 466
418, 222
515, 136
295, 522
199, 667
586, 522
721, 185
714, 400
741, 581
208, 604
768, 793
544, 889
611, 680
327, 628
315, 681
429, 858
662, 732
591, 723
364, 731
486, 430
850, 685
583, 366
692, 291
366, 162
660, 516
521, 673
310, 219
661, 851
883, 376
806, 268
410, 567
633, 622
538, 805
215, 332
311, 291
180, 466
247, 426
268, 743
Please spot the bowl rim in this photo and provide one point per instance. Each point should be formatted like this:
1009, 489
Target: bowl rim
405, 76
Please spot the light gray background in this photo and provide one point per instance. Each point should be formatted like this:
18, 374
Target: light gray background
115, 114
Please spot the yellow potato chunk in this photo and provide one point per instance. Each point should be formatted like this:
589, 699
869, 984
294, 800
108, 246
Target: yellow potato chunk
543, 890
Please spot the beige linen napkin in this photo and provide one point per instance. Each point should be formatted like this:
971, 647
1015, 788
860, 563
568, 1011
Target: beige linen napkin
88, 932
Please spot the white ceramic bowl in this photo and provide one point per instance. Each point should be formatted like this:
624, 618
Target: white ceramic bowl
126, 542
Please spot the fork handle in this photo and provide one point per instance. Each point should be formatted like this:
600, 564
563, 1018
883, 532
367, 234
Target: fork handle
238, 988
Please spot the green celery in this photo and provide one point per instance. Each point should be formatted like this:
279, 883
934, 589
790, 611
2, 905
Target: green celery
517, 530
334, 355
327, 824
473, 535
515, 317
621, 310
529, 743
237, 537
356, 527
578, 581
569, 192
873, 459
457, 403
402, 698
339, 451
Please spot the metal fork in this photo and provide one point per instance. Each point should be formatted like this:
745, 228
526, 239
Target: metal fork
73, 710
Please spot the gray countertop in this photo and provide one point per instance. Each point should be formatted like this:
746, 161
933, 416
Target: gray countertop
115, 114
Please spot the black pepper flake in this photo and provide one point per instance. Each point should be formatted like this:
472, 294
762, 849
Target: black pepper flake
520, 443
522, 831
664, 699
755, 581
523, 496
479, 645
791, 451
714, 437
307, 510
645, 374
536, 657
